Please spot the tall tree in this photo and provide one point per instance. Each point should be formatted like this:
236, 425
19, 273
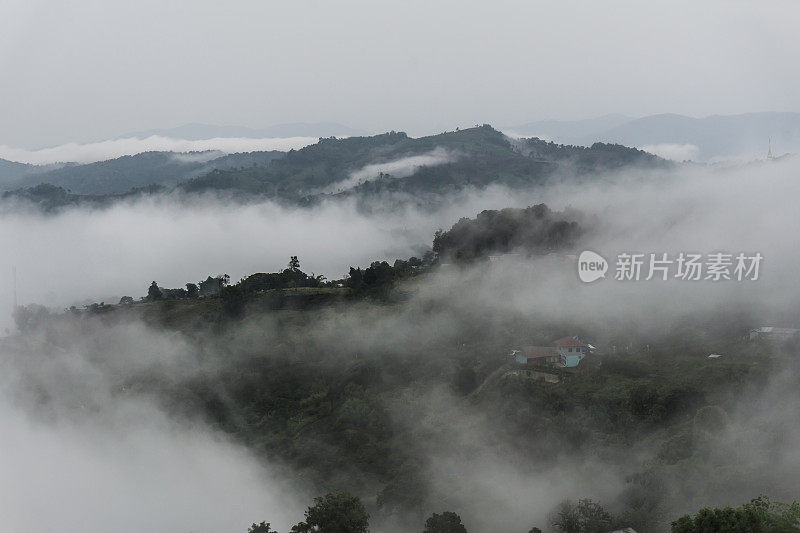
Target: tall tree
338, 512
191, 290
154, 293
585, 517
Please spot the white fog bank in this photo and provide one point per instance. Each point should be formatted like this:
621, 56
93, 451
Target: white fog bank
82, 453
103, 150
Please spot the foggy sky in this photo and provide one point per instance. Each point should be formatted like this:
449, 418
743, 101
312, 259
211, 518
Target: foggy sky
88, 70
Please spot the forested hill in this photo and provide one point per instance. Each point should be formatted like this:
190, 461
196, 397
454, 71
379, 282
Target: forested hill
477, 156
11, 171
384, 384
353, 166
121, 174
535, 229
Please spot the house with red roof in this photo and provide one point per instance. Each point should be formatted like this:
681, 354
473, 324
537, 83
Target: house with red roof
536, 355
566, 352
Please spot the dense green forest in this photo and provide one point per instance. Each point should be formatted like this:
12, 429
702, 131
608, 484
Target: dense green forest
378, 390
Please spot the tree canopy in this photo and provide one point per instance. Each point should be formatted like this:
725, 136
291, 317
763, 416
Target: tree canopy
447, 522
585, 517
759, 516
338, 512
535, 229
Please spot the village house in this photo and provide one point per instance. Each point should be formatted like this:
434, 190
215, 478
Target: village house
536, 355
771, 333
566, 352
571, 351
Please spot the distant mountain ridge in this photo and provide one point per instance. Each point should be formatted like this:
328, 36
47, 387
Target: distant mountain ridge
121, 174
715, 137
421, 168
473, 157
553, 130
11, 170
197, 131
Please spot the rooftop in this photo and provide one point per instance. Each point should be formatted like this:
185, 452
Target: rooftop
569, 342
537, 352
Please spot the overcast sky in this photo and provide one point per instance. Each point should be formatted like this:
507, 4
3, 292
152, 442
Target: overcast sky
86, 70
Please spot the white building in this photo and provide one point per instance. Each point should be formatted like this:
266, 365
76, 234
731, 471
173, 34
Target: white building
772, 333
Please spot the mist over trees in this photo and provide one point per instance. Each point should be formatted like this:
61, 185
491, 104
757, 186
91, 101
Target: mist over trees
760, 515
581, 324
316, 402
476, 157
394, 382
535, 229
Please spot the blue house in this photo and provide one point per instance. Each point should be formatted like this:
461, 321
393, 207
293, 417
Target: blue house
571, 351
566, 352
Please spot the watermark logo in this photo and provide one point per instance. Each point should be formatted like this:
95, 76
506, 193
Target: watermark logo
591, 266
685, 266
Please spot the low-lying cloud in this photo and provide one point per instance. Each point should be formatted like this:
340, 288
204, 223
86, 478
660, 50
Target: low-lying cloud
674, 152
81, 254
82, 451
120, 249
101, 151
398, 168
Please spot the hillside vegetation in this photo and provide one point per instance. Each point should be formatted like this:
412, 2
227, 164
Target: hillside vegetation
378, 385
477, 156
361, 167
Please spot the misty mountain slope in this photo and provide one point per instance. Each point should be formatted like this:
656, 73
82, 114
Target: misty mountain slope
445, 162
532, 162
120, 175
49, 198
716, 136
570, 129
303, 170
366, 383
374, 397
365, 167
12, 172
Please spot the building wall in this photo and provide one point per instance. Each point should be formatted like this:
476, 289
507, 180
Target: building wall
778, 334
571, 359
544, 360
